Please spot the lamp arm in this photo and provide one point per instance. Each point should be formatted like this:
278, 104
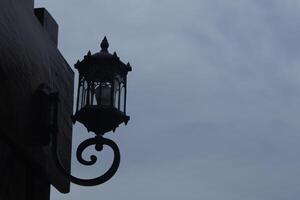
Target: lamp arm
98, 141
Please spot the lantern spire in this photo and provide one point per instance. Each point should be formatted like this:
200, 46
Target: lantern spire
104, 45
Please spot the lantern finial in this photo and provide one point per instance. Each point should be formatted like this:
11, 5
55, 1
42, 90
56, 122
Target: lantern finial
104, 44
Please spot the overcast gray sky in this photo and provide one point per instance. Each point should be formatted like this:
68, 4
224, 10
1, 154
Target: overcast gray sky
213, 97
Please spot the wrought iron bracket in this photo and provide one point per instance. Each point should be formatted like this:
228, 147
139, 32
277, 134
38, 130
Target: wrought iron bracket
51, 102
98, 141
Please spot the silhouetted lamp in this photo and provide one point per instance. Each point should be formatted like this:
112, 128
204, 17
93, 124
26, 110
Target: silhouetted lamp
101, 107
102, 88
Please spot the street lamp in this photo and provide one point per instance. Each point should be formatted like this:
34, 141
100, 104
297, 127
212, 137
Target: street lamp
101, 107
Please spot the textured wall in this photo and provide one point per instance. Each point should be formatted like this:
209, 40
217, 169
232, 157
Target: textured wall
28, 58
12, 173
20, 178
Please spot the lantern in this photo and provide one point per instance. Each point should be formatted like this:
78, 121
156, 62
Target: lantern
102, 89
101, 107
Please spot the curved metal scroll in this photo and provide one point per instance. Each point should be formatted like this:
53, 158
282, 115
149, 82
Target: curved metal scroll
98, 141
51, 100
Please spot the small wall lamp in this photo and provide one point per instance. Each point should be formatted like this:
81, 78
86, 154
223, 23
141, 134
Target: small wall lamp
101, 107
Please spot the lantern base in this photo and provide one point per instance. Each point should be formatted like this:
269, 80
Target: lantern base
100, 119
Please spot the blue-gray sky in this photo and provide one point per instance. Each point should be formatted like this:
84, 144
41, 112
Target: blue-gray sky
213, 97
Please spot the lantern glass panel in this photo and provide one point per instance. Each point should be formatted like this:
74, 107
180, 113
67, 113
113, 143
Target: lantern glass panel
103, 94
80, 90
122, 97
94, 86
84, 93
117, 94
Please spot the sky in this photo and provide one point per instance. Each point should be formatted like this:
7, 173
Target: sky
213, 96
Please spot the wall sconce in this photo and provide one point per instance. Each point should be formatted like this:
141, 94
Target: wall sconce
101, 107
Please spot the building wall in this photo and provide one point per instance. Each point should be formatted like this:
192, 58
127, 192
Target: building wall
20, 178
29, 57
12, 172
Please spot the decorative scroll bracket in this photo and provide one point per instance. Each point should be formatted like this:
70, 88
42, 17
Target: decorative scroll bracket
49, 104
98, 141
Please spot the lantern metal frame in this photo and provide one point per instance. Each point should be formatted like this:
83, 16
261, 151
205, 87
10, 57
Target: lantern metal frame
97, 72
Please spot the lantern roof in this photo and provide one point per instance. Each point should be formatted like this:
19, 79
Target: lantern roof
103, 56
